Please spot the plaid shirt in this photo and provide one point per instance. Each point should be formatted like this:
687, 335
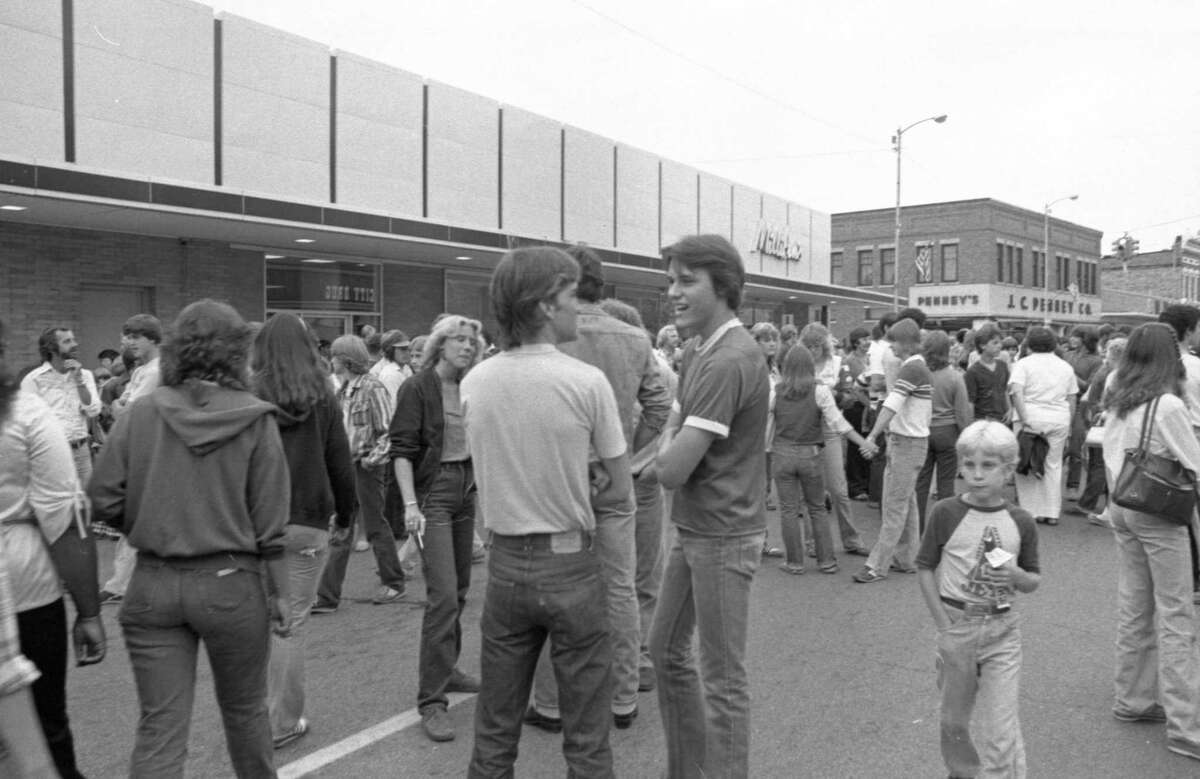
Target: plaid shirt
367, 413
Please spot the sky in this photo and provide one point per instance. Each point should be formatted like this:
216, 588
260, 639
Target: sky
800, 99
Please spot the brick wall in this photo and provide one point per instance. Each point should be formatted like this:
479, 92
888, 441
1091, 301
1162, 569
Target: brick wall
412, 297
45, 273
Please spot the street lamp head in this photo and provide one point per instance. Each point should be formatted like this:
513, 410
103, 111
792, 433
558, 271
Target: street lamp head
1073, 197
940, 119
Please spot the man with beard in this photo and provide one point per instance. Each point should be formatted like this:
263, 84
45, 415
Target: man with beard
70, 391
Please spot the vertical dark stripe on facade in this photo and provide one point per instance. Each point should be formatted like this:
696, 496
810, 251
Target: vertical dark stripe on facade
425, 151
68, 50
660, 240
500, 171
614, 195
218, 100
562, 184
333, 110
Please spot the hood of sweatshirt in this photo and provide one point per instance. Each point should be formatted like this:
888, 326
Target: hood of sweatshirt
205, 415
288, 419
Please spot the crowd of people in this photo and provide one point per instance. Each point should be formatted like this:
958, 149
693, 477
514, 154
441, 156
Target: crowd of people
621, 486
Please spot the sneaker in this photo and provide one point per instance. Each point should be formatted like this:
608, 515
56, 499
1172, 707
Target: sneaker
1099, 519
1186, 748
646, 679
829, 568
287, 738
860, 551
771, 551
107, 598
810, 548
539, 720
435, 721
323, 608
795, 569
869, 575
898, 568
362, 545
461, 682
388, 594
1155, 714
862, 497
623, 721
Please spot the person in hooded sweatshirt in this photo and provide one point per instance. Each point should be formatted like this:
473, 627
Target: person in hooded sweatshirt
287, 371
194, 474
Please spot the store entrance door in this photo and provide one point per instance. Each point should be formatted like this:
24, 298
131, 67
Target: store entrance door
328, 326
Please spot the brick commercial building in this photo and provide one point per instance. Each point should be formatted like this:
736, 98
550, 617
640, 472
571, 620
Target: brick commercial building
966, 261
1139, 288
152, 153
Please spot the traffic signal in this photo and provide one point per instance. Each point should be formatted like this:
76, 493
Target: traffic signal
1118, 247
1131, 246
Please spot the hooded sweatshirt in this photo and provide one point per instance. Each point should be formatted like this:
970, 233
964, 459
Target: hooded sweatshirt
192, 470
320, 485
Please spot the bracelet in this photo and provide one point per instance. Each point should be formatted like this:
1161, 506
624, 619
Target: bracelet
410, 503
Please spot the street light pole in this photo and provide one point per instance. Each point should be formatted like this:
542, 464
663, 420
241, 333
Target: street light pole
898, 140
1046, 255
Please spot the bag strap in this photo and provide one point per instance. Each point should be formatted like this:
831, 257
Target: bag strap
1148, 425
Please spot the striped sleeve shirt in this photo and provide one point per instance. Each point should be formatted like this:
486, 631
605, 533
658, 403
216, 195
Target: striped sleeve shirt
911, 399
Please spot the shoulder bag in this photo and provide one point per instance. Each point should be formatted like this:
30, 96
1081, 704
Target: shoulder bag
1155, 484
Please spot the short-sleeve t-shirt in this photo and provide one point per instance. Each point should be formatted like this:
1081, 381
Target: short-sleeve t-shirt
957, 536
911, 399
724, 388
1045, 381
532, 416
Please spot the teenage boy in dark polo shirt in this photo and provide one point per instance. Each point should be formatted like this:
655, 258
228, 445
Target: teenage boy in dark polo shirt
711, 454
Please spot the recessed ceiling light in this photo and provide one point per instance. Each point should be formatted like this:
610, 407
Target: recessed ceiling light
12, 208
306, 240
462, 257
791, 297
274, 256
315, 261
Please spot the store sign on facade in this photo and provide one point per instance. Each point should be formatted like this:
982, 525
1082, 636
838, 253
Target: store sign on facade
777, 242
924, 263
1001, 301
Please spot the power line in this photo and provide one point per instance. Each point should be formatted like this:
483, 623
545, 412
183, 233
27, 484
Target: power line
1164, 224
773, 158
722, 75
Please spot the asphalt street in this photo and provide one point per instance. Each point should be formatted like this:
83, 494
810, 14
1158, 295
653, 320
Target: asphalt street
842, 680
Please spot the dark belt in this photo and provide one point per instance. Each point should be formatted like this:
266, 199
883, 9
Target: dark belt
977, 609
245, 561
539, 540
82, 442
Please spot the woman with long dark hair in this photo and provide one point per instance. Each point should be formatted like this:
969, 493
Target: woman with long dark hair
1156, 660
803, 408
194, 475
433, 470
288, 372
952, 412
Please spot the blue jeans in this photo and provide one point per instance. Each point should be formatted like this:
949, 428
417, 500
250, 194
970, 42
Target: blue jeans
943, 456
800, 477
705, 703
449, 509
535, 594
649, 541
305, 549
615, 540
168, 609
981, 655
833, 457
371, 486
1156, 651
898, 535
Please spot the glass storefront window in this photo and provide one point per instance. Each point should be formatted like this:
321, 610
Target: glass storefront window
334, 297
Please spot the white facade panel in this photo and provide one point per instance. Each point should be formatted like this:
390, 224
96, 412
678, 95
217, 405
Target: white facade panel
679, 200
144, 87
747, 214
588, 188
532, 175
463, 157
637, 201
716, 205
379, 115
276, 112
31, 102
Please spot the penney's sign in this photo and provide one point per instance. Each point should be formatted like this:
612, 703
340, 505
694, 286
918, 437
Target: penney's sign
1001, 301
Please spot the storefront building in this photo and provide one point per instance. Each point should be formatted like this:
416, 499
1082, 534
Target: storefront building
1136, 289
151, 154
967, 261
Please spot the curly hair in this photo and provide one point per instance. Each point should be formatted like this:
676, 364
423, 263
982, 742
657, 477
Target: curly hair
445, 328
1150, 367
208, 341
815, 337
287, 369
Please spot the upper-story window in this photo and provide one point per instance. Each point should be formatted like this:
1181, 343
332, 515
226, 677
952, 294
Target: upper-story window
949, 262
866, 267
887, 266
835, 267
